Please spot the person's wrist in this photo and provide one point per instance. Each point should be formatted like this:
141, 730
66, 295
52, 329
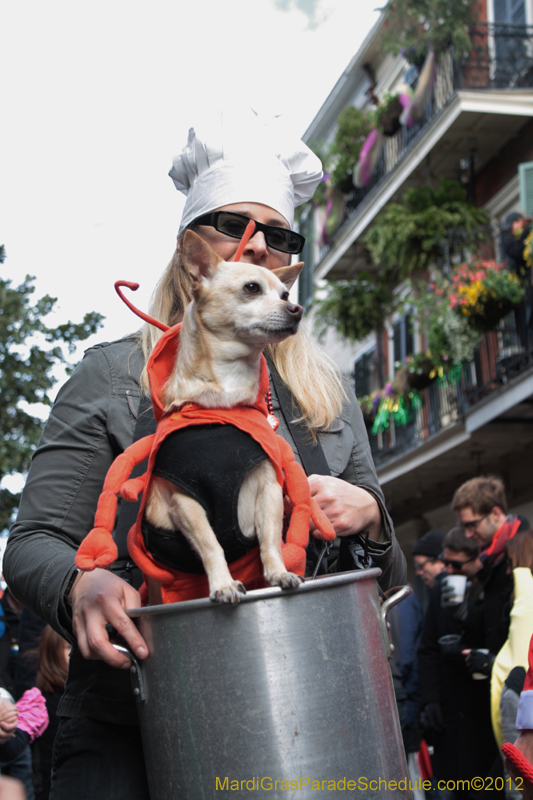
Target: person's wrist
374, 524
70, 589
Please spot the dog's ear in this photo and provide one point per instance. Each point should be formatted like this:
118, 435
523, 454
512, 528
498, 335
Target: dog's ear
288, 275
199, 259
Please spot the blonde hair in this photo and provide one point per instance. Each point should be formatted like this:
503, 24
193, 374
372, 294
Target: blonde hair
313, 378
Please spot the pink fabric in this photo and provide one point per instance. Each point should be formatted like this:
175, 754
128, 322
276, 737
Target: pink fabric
529, 677
33, 716
368, 157
414, 109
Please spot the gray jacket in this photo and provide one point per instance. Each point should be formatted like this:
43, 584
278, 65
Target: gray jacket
93, 421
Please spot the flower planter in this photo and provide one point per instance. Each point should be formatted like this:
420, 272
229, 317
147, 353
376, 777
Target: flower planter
420, 380
389, 119
494, 310
407, 380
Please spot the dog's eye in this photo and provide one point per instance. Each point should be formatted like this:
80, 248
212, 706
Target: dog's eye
285, 296
252, 288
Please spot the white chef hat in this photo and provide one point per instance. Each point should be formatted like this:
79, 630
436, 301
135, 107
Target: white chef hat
237, 155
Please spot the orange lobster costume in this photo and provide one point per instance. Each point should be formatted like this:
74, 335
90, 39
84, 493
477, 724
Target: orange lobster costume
99, 550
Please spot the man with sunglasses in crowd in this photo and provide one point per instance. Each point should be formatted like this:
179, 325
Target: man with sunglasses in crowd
481, 508
455, 708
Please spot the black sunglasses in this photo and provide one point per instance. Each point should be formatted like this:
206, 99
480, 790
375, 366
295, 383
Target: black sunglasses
474, 523
234, 225
451, 562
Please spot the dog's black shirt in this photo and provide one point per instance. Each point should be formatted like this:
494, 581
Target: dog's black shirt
209, 462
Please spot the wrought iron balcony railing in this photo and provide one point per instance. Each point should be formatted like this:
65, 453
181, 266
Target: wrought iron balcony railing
502, 355
501, 58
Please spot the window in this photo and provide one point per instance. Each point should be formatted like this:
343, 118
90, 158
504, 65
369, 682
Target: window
512, 12
364, 370
510, 42
403, 338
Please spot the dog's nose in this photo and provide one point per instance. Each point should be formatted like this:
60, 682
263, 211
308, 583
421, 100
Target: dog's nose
295, 311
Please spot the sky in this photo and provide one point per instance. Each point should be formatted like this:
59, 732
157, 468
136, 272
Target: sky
97, 98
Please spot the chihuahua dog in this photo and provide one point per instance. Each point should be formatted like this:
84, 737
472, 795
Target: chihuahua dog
237, 309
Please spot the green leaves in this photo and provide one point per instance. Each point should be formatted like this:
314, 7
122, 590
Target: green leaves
27, 364
415, 25
353, 126
353, 308
409, 236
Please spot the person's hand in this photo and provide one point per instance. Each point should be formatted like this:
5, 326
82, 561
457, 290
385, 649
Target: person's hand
100, 598
431, 718
524, 743
11, 789
447, 594
8, 720
8, 712
478, 661
349, 508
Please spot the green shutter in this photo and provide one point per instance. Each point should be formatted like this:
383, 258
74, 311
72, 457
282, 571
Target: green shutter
525, 181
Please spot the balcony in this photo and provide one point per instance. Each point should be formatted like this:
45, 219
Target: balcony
503, 356
500, 62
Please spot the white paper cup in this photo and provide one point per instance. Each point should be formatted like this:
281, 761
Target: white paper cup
458, 582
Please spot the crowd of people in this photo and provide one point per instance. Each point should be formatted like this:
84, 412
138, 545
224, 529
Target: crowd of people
468, 647
33, 671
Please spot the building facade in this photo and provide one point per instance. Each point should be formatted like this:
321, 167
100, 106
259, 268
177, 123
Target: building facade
476, 128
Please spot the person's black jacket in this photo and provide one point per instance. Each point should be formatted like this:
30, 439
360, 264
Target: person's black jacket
465, 748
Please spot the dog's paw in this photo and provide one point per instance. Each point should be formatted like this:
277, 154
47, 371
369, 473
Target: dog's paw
228, 594
287, 580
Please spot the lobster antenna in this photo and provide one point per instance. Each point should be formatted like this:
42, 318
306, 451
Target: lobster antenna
141, 314
248, 233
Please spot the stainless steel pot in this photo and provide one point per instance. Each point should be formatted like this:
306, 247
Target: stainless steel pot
293, 687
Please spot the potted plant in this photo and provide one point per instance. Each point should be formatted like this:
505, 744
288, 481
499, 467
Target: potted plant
353, 126
352, 308
451, 339
415, 25
484, 292
388, 114
418, 371
408, 236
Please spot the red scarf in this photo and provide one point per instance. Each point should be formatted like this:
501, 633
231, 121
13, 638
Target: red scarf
492, 554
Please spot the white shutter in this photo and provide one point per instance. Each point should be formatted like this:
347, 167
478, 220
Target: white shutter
518, 12
525, 182
510, 11
501, 12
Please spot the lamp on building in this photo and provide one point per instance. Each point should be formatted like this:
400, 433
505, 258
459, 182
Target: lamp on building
466, 172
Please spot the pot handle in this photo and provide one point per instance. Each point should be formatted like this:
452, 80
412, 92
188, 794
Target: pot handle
397, 597
135, 671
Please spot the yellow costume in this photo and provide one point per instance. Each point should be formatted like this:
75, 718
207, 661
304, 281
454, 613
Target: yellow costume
514, 653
